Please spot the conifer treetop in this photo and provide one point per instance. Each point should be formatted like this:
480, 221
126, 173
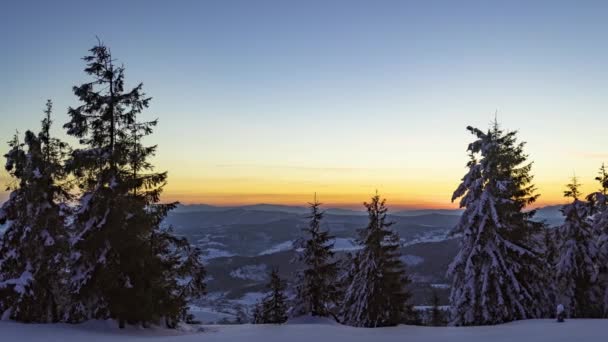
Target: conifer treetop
573, 189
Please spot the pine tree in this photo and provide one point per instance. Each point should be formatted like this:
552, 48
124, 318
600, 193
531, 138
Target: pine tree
599, 204
437, 315
257, 317
376, 295
576, 276
33, 250
498, 274
125, 266
317, 290
273, 308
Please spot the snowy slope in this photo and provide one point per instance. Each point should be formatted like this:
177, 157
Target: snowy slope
533, 330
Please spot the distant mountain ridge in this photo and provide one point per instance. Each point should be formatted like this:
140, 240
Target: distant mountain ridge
304, 210
262, 207
551, 214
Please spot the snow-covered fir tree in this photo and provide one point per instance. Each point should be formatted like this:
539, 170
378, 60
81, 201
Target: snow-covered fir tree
317, 290
499, 274
34, 247
273, 308
599, 202
377, 292
125, 266
575, 272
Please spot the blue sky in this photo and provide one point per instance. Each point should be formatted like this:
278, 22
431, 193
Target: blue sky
274, 100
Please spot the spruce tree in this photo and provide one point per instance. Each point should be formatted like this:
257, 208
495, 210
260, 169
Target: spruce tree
376, 295
317, 291
273, 308
599, 202
499, 273
256, 315
124, 266
437, 315
576, 276
34, 247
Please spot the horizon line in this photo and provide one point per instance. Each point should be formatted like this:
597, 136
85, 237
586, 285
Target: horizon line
340, 206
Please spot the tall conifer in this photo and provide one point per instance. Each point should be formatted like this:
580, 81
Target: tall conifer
34, 247
576, 276
377, 292
273, 308
125, 266
599, 201
499, 274
317, 291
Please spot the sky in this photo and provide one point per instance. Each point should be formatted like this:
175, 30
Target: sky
272, 101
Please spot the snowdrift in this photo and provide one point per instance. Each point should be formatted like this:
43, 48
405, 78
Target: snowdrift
532, 330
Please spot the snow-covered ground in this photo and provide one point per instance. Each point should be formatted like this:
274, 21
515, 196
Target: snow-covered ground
340, 245
283, 246
213, 253
349, 244
251, 272
345, 245
533, 330
412, 260
431, 236
250, 298
208, 315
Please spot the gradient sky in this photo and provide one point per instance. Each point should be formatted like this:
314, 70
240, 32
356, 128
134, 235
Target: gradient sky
271, 101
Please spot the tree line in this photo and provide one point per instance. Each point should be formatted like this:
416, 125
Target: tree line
511, 267
85, 237
367, 289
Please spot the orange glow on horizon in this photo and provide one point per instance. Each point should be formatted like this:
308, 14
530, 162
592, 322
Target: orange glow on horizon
335, 187
398, 197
